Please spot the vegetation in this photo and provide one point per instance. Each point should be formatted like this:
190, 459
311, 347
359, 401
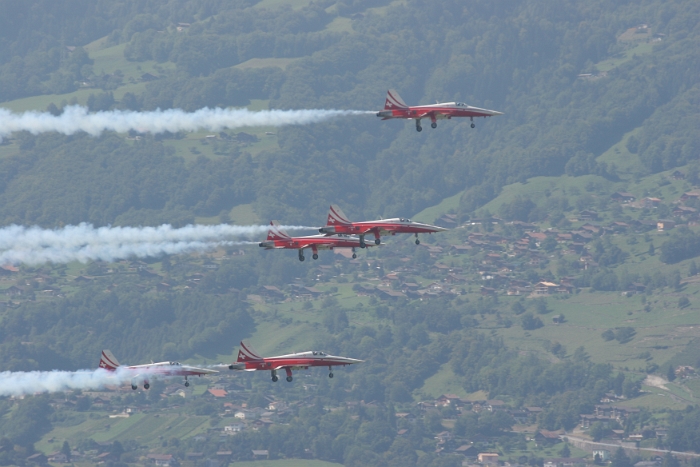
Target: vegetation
541, 194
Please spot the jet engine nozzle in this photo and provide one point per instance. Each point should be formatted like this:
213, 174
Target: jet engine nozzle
327, 230
237, 366
266, 244
384, 113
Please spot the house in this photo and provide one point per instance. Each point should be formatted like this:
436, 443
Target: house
545, 437
489, 458
564, 462
601, 454
557, 319
235, 428
623, 197
588, 215
695, 194
218, 392
260, 454
162, 459
467, 450
663, 225
545, 288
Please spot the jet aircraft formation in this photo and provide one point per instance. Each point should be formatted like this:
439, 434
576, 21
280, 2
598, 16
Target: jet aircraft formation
340, 232
248, 360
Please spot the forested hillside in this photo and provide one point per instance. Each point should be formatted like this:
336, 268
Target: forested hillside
558, 293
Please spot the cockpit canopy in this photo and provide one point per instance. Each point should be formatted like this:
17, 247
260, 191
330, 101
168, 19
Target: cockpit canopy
404, 219
461, 104
174, 363
319, 353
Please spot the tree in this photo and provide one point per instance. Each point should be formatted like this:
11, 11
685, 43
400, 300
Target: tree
651, 250
530, 322
65, 450
620, 459
565, 451
692, 269
671, 373
598, 431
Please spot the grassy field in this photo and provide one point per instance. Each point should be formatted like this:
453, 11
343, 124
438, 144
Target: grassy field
433, 212
624, 57
265, 63
288, 463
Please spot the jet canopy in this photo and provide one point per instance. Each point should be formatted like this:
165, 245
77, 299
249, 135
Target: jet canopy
319, 353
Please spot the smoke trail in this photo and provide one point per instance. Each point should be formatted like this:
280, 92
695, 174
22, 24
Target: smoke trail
76, 118
19, 383
85, 243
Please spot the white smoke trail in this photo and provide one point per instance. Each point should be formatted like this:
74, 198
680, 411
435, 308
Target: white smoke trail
76, 118
85, 243
20, 383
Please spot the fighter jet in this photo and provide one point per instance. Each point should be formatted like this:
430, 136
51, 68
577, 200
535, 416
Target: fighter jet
395, 107
278, 239
250, 360
160, 369
338, 223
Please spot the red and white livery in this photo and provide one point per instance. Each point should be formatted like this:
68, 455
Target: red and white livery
279, 239
338, 223
142, 373
250, 360
395, 107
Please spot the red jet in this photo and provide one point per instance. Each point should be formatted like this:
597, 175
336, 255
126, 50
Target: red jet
338, 223
161, 369
395, 107
278, 239
249, 360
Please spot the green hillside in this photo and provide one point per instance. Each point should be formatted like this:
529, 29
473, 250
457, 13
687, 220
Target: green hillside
568, 281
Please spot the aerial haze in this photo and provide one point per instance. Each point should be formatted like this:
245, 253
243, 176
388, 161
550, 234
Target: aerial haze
147, 145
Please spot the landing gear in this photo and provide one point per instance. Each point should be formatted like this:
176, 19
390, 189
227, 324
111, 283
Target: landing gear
274, 376
289, 379
473, 125
134, 387
417, 241
362, 242
377, 241
330, 371
418, 127
433, 125
146, 386
301, 255
472, 119
330, 375
187, 383
354, 255
315, 256
289, 374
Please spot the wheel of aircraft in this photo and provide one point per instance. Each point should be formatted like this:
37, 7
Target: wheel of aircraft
419, 128
315, 256
377, 241
146, 386
417, 242
275, 378
301, 258
354, 255
289, 379
134, 387
433, 125
330, 375
362, 242
473, 125
187, 384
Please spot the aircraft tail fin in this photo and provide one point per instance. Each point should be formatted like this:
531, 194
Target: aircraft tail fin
276, 233
337, 216
108, 361
394, 101
246, 353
